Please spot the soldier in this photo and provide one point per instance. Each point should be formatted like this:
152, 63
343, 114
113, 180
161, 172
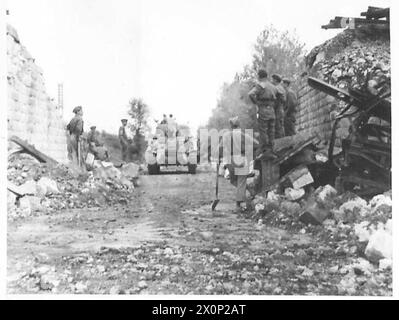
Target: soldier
92, 137
172, 127
264, 96
123, 139
290, 109
235, 141
75, 129
96, 146
164, 120
279, 106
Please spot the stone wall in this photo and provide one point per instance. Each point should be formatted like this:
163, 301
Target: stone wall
316, 112
32, 115
313, 113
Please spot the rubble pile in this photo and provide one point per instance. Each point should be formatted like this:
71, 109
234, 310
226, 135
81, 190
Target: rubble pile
361, 62
351, 220
358, 233
35, 187
352, 60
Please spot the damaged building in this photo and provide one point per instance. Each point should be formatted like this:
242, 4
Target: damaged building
343, 119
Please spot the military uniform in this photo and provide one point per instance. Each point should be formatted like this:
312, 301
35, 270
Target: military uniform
264, 95
96, 147
124, 142
279, 107
75, 129
93, 138
290, 110
235, 142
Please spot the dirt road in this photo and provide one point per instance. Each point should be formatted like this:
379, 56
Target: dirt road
167, 241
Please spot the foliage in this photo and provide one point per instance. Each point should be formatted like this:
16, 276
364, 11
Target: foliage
275, 51
139, 113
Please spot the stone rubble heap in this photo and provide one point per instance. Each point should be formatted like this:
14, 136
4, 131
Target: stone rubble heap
351, 67
38, 187
364, 228
349, 61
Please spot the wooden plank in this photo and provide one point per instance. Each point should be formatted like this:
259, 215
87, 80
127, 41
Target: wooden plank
376, 13
285, 156
30, 149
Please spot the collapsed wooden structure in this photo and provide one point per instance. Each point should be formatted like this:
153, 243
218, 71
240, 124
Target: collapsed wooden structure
378, 17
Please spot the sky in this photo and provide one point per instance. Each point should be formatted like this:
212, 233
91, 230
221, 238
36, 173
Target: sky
173, 54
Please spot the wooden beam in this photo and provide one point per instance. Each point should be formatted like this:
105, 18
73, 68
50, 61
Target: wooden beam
31, 150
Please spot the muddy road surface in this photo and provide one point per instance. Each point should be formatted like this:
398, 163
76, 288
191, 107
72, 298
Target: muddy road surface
166, 240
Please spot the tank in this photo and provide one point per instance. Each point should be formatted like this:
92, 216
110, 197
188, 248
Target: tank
171, 145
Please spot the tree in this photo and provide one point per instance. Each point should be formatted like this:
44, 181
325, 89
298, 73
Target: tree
275, 51
139, 113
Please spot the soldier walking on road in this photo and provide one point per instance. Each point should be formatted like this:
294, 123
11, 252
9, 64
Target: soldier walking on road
264, 95
290, 109
123, 139
239, 165
279, 106
75, 129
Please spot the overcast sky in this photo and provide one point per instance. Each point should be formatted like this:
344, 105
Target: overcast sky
174, 54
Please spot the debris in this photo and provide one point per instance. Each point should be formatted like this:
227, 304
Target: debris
33, 151
25, 207
130, 170
259, 208
291, 208
115, 290
379, 246
385, 264
142, 284
300, 177
11, 200
351, 210
46, 186
324, 192
28, 188
35, 202
294, 194
363, 267
362, 231
206, 235
313, 213
80, 287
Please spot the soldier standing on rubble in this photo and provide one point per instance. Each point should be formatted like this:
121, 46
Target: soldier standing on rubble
290, 109
279, 106
264, 96
75, 129
123, 139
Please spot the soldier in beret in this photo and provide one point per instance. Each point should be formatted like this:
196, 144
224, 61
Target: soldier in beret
75, 130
